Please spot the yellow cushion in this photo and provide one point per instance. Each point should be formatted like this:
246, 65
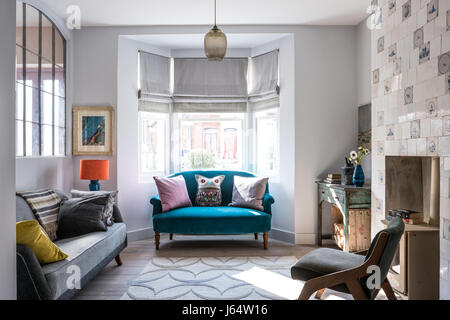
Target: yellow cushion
31, 234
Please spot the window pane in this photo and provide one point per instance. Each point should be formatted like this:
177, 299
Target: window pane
60, 139
19, 101
215, 142
60, 112
19, 64
32, 69
59, 49
32, 29
267, 143
47, 77
19, 23
47, 40
31, 104
47, 108
153, 132
60, 85
19, 138
47, 140
32, 139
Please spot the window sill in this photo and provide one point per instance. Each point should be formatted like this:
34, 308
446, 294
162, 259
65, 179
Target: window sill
43, 157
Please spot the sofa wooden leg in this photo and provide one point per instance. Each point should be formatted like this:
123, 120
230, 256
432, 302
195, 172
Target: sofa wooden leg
266, 240
118, 260
157, 237
171, 236
256, 236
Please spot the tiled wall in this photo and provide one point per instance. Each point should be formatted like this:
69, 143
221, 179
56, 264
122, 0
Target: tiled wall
411, 99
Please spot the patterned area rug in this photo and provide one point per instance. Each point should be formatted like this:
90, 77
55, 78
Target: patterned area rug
235, 278
232, 278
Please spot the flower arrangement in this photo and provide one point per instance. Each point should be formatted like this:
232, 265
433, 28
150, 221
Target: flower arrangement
356, 157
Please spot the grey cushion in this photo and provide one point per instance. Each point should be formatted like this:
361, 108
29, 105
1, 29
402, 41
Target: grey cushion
324, 261
108, 214
23, 211
248, 192
86, 252
79, 216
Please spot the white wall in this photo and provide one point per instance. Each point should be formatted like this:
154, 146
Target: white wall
7, 150
54, 172
364, 81
325, 116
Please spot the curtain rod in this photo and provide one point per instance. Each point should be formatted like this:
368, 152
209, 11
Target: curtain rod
259, 55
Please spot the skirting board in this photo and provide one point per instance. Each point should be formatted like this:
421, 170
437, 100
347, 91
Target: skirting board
282, 235
140, 234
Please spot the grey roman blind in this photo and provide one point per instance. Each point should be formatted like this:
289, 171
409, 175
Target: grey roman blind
205, 86
256, 105
154, 73
154, 78
263, 75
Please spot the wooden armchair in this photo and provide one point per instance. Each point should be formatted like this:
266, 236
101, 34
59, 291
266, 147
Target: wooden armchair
347, 272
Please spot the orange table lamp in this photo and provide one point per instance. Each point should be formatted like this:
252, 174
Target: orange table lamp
94, 170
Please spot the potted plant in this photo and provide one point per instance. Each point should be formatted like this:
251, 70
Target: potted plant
358, 174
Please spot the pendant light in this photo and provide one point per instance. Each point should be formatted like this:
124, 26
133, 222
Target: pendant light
215, 41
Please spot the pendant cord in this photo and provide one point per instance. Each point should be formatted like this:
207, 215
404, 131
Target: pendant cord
215, 12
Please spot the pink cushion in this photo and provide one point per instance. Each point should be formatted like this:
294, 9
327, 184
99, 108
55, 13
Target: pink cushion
173, 193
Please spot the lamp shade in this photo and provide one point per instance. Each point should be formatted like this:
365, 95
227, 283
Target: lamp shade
215, 44
94, 169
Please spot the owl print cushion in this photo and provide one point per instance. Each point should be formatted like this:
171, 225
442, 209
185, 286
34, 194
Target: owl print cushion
209, 193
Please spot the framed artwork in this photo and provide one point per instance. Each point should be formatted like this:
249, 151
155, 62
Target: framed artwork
93, 131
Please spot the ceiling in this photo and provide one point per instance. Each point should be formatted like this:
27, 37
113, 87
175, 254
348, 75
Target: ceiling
200, 12
196, 41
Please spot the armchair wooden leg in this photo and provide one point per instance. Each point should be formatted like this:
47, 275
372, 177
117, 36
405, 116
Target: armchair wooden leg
157, 237
256, 236
386, 286
307, 292
266, 240
319, 293
118, 260
171, 236
355, 288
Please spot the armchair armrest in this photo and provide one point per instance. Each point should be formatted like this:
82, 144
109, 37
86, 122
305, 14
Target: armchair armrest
268, 200
31, 282
157, 205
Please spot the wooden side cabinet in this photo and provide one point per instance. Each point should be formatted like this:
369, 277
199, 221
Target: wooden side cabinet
352, 233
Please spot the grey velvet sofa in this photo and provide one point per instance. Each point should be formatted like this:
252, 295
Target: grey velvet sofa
88, 254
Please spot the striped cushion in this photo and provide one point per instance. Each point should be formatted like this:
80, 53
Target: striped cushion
45, 206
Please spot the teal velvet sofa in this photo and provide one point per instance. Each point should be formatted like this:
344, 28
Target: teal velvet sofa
223, 220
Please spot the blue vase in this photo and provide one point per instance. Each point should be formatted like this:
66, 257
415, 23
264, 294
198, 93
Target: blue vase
358, 176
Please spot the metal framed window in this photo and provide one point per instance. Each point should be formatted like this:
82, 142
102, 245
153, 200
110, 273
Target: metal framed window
40, 85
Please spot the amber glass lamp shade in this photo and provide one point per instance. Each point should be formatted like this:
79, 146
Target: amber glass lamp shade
215, 44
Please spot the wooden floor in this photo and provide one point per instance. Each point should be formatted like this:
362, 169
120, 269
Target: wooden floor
112, 282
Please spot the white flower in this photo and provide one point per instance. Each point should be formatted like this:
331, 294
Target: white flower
353, 155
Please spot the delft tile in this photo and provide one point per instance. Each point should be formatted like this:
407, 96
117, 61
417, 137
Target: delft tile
405, 130
387, 86
380, 178
444, 63
445, 186
380, 45
447, 82
397, 66
445, 42
418, 38
376, 76
444, 146
432, 146
447, 163
443, 269
390, 132
415, 129
380, 148
392, 5
435, 48
414, 58
431, 107
424, 52
409, 95
392, 52
392, 148
422, 147
436, 127
448, 20
412, 147
406, 10
446, 126
422, 17
427, 70
432, 10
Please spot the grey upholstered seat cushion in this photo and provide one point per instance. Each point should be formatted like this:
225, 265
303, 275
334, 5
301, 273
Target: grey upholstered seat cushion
325, 261
86, 251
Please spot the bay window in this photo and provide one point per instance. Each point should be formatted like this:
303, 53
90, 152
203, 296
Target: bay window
196, 114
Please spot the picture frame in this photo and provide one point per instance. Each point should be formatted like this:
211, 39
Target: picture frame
93, 131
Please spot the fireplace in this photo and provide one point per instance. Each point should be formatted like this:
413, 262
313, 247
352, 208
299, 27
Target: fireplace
413, 183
